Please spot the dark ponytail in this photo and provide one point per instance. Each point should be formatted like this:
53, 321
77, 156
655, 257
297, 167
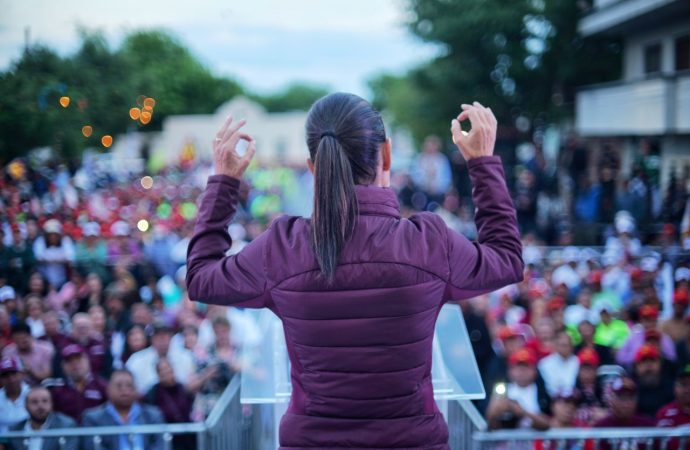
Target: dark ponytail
343, 135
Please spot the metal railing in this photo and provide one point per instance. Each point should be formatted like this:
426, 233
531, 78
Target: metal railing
464, 420
227, 427
580, 438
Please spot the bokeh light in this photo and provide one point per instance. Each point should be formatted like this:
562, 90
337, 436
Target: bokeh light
64, 101
149, 103
145, 117
86, 130
107, 140
134, 113
143, 225
147, 182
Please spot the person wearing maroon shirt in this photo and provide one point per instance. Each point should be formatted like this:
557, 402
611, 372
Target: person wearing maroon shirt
623, 405
94, 345
80, 389
677, 412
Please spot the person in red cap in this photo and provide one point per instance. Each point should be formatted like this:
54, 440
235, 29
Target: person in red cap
654, 386
590, 406
676, 326
80, 389
510, 342
523, 402
648, 321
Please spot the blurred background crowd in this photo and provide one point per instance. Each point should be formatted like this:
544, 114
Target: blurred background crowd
92, 292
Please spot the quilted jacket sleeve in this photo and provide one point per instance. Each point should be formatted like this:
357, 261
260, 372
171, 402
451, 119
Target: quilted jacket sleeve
495, 259
213, 277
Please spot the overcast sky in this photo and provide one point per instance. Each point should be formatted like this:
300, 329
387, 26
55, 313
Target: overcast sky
265, 44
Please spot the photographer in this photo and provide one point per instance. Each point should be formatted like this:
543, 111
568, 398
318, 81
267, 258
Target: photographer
523, 401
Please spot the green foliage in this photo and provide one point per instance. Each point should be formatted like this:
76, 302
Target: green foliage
297, 96
103, 84
522, 58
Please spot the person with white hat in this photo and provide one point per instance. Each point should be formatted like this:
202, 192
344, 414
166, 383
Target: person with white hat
54, 253
122, 249
91, 251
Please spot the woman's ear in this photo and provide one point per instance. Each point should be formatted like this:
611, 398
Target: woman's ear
386, 149
310, 165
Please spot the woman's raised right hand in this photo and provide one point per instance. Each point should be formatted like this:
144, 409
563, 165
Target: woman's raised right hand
481, 138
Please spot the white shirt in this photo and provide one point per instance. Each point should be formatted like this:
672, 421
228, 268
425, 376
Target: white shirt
34, 443
12, 412
142, 364
527, 398
559, 374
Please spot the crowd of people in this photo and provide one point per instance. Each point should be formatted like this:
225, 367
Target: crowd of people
96, 327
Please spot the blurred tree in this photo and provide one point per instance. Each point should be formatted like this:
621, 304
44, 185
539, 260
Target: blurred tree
523, 58
297, 96
102, 85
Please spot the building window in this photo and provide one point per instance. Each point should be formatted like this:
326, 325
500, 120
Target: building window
652, 58
683, 53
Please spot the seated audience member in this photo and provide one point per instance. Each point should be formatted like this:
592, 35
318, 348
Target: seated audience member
676, 413
676, 327
93, 344
80, 388
174, 401
586, 332
654, 388
560, 368
610, 331
510, 341
12, 394
623, 404
590, 406
648, 321
122, 408
53, 331
142, 364
36, 356
523, 402
564, 409
135, 340
171, 397
42, 417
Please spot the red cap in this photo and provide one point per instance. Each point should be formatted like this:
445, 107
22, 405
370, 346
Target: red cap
595, 276
649, 312
71, 350
647, 351
681, 297
556, 303
506, 332
522, 356
588, 357
636, 273
10, 365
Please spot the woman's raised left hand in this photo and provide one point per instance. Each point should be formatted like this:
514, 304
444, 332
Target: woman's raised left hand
226, 159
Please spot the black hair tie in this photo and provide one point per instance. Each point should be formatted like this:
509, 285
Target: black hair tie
328, 133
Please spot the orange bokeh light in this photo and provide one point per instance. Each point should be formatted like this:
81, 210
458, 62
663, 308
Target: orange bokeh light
107, 140
150, 103
86, 130
64, 101
134, 113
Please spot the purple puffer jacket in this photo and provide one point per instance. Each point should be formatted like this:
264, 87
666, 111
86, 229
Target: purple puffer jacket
360, 350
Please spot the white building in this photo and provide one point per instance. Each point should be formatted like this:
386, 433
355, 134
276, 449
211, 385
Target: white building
279, 136
652, 100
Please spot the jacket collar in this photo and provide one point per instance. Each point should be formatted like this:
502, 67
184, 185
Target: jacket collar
377, 201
